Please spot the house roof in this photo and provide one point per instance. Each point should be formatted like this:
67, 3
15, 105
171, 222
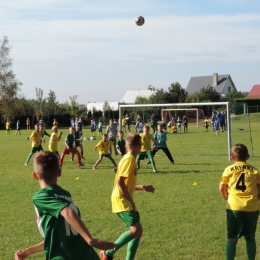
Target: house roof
131, 95
254, 92
197, 83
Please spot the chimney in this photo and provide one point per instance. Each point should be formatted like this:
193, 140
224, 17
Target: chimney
215, 80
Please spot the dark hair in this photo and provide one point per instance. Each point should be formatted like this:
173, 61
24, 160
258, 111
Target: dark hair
239, 152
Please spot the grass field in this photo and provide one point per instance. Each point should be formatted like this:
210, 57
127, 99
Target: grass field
180, 220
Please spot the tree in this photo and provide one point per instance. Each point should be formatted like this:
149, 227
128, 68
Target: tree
177, 94
232, 95
206, 94
9, 85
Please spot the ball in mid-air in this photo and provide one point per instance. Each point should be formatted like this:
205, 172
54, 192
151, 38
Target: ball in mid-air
139, 20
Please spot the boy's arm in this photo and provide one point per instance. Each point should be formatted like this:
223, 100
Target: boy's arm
75, 221
23, 254
258, 187
59, 136
125, 192
223, 190
148, 188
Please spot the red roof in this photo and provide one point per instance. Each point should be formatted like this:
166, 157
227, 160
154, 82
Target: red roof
255, 92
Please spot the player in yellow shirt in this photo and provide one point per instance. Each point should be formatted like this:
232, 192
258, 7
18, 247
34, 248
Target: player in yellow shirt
53, 143
146, 139
8, 127
28, 123
55, 123
240, 186
36, 138
122, 199
206, 124
104, 146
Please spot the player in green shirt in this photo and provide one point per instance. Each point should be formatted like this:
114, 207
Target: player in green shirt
78, 142
69, 143
65, 235
120, 144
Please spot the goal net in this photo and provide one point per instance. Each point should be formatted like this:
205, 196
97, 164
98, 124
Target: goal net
198, 140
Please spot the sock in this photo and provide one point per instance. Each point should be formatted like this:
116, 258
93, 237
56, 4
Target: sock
138, 164
61, 161
72, 157
79, 159
153, 165
230, 250
81, 154
28, 158
121, 241
132, 248
251, 249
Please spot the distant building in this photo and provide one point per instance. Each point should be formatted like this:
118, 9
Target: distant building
131, 95
223, 84
254, 92
99, 106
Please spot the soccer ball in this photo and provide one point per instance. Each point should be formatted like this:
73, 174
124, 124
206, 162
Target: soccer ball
139, 20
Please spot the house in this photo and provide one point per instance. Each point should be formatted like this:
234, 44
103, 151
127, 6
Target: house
131, 95
223, 84
99, 105
254, 92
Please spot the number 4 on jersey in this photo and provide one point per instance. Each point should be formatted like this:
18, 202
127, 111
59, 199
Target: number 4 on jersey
241, 183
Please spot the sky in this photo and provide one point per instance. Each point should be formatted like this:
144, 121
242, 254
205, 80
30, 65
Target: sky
93, 49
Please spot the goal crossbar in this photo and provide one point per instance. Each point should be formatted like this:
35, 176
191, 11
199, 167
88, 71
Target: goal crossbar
227, 104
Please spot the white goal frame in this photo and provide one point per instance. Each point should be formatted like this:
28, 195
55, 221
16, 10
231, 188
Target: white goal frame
227, 104
183, 109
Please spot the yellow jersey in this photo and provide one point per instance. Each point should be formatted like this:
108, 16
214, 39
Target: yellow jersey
36, 138
146, 140
55, 123
127, 169
7, 125
27, 122
104, 146
53, 143
241, 179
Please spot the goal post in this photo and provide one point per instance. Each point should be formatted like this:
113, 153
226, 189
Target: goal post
182, 106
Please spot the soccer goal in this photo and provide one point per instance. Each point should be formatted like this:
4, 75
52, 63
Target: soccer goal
193, 114
197, 141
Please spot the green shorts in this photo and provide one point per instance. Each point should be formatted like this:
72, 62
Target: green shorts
241, 223
143, 155
36, 149
130, 217
105, 155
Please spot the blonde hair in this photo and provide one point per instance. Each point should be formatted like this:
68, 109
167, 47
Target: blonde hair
133, 140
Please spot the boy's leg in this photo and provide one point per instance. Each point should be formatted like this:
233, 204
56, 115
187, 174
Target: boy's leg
112, 160
167, 152
251, 249
97, 162
61, 159
28, 158
79, 158
132, 248
230, 250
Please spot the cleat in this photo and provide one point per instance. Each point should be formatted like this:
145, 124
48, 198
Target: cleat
94, 168
154, 170
103, 256
72, 159
114, 169
81, 164
83, 158
172, 162
26, 164
149, 162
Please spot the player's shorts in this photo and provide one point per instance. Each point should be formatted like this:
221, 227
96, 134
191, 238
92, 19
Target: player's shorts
99, 129
36, 149
144, 155
130, 217
241, 223
70, 150
105, 155
78, 144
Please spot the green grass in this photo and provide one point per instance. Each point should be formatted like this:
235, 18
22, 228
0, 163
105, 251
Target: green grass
180, 221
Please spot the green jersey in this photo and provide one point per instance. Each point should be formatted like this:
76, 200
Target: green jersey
77, 136
120, 145
70, 140
61, 241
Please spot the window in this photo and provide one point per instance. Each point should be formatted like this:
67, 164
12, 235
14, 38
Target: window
229, 89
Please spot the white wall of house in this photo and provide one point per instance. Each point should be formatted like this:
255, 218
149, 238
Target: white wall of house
228, 87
